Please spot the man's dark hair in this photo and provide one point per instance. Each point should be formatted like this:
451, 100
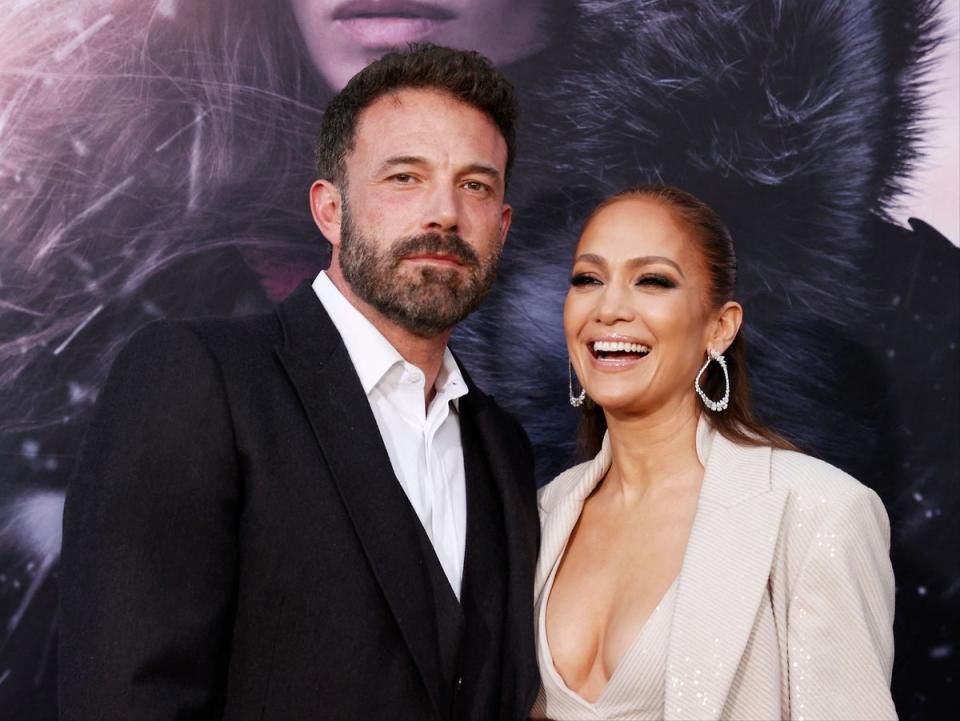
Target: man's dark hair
463, 74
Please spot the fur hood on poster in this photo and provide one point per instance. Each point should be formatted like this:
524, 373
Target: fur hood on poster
796, 121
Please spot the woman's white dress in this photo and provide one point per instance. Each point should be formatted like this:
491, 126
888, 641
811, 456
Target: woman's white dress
635, 691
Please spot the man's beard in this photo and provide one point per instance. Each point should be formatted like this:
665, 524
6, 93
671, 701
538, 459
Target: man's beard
426, 300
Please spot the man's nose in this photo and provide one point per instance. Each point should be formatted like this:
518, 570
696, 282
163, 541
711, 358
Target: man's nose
442, 211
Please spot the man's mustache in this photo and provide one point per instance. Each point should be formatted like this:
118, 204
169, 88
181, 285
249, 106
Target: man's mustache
451, 244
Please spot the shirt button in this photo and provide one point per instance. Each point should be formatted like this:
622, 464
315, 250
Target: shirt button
459, 682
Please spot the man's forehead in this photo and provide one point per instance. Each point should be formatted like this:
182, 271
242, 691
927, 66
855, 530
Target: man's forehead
414, 100
420, 119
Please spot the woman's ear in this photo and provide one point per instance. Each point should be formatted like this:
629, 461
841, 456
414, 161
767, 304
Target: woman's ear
726, 325
326, 206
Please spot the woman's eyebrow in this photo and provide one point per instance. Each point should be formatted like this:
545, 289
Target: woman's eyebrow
652, 259
591, 258
633, 262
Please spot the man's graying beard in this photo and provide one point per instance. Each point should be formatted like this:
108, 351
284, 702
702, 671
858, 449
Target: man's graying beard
430, 300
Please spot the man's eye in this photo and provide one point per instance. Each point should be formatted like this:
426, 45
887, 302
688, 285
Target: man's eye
475, 186
402, 178
581, 279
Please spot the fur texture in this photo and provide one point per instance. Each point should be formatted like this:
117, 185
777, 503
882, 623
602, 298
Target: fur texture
795, 121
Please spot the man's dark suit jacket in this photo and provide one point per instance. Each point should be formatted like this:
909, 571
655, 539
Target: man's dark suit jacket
236, 542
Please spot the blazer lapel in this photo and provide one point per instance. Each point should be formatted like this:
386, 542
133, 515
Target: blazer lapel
500, 447
320, 370
570, 490
724, 575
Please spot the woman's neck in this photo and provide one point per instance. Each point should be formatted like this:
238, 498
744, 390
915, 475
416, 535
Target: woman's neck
653, 452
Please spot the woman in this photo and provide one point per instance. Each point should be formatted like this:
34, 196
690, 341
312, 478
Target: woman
698, 566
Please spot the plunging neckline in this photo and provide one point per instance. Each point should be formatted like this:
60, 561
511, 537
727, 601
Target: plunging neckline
615, 676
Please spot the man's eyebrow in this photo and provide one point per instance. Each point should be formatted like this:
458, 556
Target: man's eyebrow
633, 262
482, 169
396, 160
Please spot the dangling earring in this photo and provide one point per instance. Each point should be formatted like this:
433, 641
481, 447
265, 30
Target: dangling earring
720, 405
575, 401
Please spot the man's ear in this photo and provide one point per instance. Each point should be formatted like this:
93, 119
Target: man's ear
326, 206
726, 326
506, 215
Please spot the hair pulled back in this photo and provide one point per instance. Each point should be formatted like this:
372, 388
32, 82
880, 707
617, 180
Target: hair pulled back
737, 423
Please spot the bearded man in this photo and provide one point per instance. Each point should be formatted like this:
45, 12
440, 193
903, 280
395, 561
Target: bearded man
315, 512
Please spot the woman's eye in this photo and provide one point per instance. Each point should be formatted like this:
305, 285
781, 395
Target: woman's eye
658, 281
581, 279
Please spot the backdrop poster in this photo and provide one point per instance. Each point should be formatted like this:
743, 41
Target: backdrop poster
154, 162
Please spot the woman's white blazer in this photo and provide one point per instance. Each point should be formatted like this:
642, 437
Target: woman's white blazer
785, 596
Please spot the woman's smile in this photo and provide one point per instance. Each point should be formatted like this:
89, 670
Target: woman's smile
636, 315
614, 352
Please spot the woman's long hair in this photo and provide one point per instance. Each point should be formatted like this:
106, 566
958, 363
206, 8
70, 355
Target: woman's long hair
738, 422
139, 142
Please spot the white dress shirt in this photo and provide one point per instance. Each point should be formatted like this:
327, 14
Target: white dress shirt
424, 445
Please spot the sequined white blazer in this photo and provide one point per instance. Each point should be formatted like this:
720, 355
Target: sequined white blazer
785, 596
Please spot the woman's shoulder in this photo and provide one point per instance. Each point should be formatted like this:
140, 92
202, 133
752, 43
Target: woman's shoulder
801, 474
819, 498
834, 532
825, 501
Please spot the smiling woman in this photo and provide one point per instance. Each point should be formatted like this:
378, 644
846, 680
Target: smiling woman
682, 571
663, 260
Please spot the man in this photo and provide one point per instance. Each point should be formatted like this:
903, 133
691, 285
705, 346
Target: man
315, 513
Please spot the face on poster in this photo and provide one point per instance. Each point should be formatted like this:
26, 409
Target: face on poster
342, 36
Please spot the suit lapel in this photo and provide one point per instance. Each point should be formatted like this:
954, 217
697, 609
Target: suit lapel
501, 448
480, 568
320, 370
558, 521
725, 572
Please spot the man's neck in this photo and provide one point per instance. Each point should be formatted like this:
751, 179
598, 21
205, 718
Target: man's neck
425, 353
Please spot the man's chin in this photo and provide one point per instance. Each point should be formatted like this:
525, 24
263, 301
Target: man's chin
421, 324
428, 298
427, 310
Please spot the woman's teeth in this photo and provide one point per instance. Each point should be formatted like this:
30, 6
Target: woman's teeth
606, 346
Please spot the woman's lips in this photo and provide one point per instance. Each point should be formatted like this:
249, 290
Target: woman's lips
388, 23
616, 363
617, 354
377, 32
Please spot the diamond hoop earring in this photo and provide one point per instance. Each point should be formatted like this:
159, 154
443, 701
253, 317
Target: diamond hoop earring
720, 405
575, 401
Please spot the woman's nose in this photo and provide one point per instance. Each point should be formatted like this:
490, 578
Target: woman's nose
613, 306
